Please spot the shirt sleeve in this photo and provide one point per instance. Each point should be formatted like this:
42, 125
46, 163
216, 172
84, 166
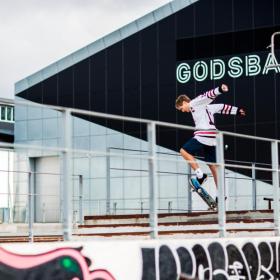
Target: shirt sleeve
223, 109
206, 98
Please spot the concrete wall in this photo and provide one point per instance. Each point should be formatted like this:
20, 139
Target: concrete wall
239, 258
6, 183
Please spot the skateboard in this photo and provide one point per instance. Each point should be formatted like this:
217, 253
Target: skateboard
203, 194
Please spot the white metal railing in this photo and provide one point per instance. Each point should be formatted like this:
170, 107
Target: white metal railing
152, 158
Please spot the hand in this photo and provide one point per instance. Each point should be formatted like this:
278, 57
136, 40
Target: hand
241, 112
224, 88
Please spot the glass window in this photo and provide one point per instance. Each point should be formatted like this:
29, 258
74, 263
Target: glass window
3, 113
9, 114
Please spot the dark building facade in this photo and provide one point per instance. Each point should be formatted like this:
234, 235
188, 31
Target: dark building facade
185, 47
195, 49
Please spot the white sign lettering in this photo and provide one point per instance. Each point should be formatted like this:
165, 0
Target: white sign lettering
235, 67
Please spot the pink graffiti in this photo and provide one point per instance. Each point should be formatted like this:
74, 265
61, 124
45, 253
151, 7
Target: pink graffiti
28, 261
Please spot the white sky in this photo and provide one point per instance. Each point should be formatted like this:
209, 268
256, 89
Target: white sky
36, 33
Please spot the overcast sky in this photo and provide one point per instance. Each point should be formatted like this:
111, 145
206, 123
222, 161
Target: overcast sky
36, 33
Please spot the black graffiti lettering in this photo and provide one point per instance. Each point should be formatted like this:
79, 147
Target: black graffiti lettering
266, 255
236, 263
273, 269
253, 259
167, 264
268, 260
185, 261
149, 264
217, 261
203, 270
278, 260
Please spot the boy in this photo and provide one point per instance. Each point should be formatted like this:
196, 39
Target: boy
205, 130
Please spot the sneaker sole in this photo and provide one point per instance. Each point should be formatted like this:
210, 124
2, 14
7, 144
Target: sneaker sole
205, 180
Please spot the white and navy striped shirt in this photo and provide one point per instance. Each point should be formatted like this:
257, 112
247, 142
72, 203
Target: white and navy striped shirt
203, 116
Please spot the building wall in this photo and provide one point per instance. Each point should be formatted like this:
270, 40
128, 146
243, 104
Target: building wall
137, 77
101, 154
7, 184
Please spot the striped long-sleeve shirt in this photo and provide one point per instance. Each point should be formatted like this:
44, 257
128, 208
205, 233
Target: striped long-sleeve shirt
203, 115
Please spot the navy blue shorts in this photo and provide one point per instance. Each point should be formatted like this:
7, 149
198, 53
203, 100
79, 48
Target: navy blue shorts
193, 147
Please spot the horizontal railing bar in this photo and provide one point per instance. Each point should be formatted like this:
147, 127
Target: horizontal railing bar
247, 167
131, 119
179, 155
91, 113
146, 157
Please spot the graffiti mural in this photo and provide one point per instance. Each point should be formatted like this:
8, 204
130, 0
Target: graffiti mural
58, 264
215, 260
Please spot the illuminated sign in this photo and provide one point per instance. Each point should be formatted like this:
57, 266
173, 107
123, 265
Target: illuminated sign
235, 67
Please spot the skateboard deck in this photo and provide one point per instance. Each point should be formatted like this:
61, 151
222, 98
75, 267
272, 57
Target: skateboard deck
207, 198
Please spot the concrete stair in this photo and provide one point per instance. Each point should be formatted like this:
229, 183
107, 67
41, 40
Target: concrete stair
198, 224
170, 225
37, 238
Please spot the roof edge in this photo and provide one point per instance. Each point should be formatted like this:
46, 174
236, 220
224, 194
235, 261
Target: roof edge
102, 43
7, 101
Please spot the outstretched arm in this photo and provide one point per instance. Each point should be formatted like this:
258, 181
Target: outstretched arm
226, 109
208, 97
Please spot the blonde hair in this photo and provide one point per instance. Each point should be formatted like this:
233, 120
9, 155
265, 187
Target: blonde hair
180, 99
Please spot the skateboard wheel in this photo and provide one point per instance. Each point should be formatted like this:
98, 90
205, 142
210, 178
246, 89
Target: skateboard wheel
199, 191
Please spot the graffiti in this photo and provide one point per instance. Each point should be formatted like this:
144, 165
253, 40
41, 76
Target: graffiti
217, 261
62, 263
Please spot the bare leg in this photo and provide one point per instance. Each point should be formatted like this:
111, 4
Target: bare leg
213, 168
188, 157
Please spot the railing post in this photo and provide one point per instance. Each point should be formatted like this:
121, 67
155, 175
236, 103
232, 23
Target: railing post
221, 185
189, 191
43, 212
115, 208
142, 207
30, 207
67, 186
9, 192
81, 214
169, 206
254, 187
153, 184
275, 183
108, 182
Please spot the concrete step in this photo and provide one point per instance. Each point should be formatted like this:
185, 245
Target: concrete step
21, 239
170, 225
204, 216
189, 227
144, 233
177, 224
239, 223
